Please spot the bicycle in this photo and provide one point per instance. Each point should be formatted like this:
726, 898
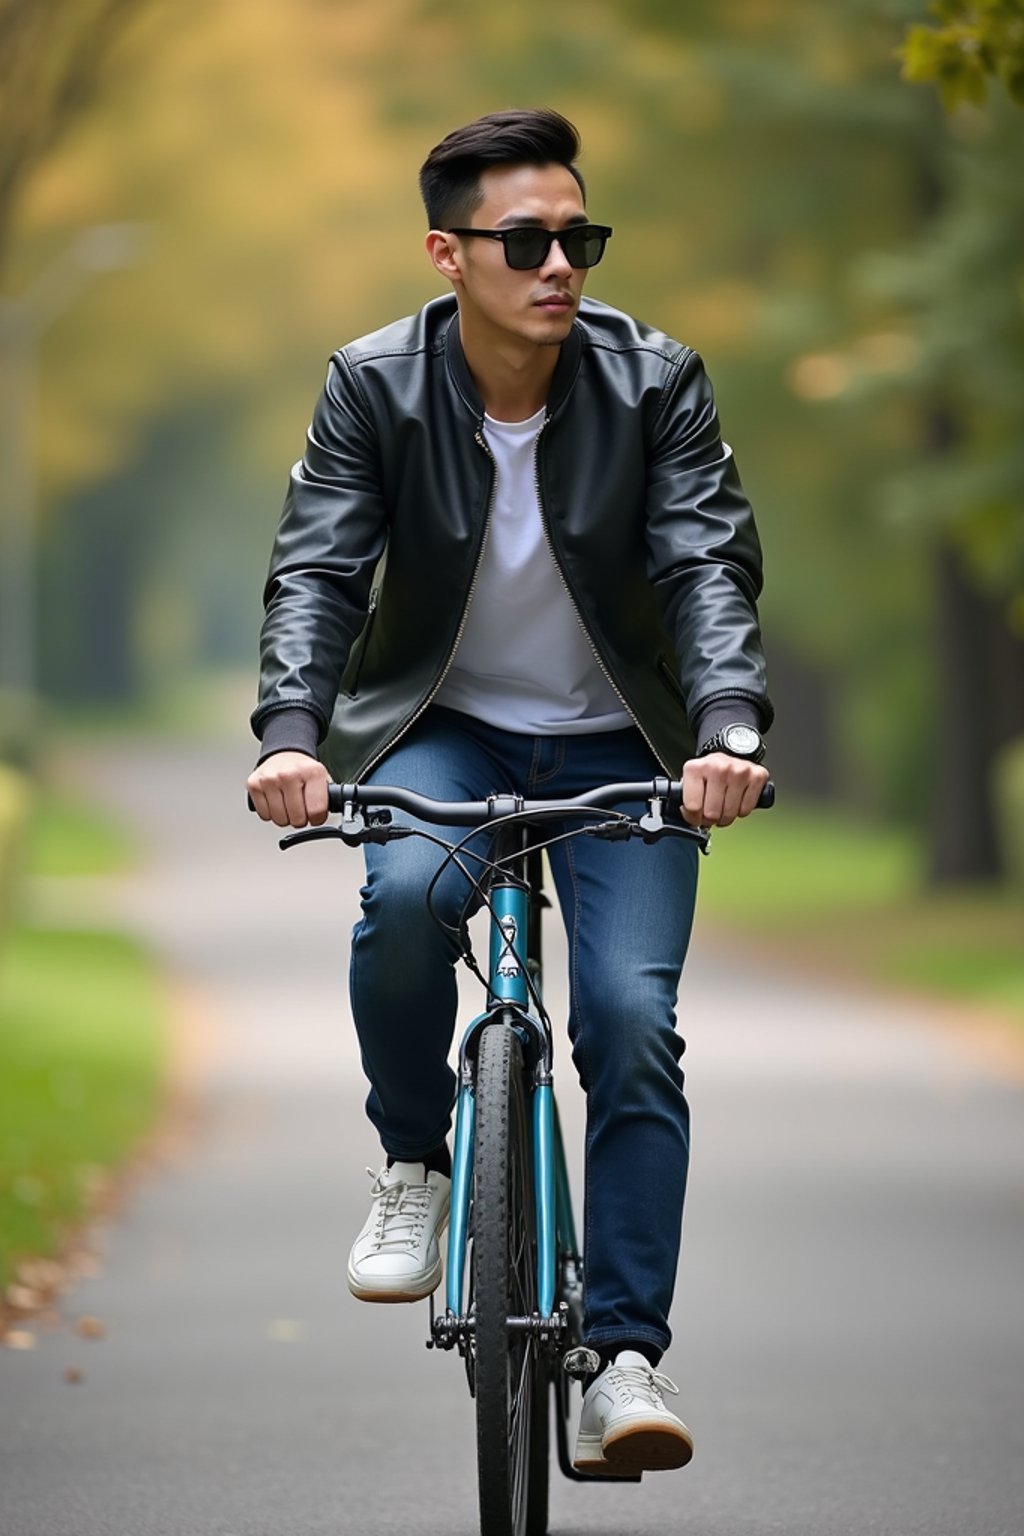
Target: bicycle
515, 1273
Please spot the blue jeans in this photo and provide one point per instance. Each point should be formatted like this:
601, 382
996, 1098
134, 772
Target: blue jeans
628, 910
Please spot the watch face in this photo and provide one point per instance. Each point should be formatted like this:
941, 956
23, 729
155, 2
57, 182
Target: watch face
741, 739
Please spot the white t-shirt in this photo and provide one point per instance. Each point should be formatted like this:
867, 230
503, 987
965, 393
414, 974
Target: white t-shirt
523, 661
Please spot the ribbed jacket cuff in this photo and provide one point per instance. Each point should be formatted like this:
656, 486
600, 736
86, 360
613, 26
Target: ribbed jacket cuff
290, 730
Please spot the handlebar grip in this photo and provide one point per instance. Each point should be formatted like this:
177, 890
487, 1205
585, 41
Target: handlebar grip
767, 799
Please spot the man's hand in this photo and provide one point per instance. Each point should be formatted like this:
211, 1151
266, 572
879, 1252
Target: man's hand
290, 789
718, 788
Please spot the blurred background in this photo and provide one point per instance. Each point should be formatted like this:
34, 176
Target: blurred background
199, 201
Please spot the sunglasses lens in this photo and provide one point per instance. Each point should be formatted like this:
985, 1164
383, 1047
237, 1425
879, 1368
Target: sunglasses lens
526, 248
583, 247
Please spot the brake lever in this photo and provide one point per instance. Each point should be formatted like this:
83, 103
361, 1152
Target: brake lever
309, 835
354, 830
652, 833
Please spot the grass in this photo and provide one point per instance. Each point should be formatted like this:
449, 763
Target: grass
793, 866
66, 838
851, 896
81, 1049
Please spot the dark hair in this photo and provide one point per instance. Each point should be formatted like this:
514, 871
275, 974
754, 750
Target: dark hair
450, 175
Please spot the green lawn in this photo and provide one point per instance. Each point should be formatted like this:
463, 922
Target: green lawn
66, 838
850, 894
81, 1049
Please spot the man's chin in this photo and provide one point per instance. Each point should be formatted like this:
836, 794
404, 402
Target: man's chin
556, 329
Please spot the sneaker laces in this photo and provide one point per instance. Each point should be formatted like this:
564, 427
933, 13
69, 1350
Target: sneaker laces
641, 1381
401, 1211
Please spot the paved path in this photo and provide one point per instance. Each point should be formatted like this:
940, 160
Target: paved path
850, 1343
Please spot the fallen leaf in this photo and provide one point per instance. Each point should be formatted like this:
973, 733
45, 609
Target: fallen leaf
42, 1274
19, 1338
90, 1328
24, 1298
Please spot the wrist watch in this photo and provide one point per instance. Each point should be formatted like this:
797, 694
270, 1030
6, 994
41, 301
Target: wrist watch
738, 741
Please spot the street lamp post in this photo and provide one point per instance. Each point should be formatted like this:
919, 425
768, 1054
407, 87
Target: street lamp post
23, 320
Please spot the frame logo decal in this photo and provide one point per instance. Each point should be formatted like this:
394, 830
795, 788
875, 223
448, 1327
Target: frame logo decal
508, 966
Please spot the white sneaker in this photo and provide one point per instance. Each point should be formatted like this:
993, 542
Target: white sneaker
397, 1255
625, 1427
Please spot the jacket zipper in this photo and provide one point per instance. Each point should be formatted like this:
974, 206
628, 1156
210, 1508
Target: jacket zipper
579, 617
479, 438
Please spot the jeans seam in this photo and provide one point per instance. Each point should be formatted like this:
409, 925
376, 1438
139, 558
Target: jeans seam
558, 763
534, 768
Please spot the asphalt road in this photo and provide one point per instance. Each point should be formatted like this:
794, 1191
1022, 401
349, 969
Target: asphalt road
849, 1331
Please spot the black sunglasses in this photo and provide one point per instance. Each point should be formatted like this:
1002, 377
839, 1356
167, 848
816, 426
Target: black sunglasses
527, 247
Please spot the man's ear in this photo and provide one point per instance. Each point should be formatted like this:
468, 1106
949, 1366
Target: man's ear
441, 250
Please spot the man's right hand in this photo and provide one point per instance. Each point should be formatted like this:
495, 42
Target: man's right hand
290, 789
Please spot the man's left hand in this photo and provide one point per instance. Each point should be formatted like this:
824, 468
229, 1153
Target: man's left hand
719, 788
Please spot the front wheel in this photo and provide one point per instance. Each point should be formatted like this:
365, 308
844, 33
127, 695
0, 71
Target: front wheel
511, 1380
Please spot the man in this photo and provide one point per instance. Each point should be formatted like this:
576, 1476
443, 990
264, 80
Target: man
518, 541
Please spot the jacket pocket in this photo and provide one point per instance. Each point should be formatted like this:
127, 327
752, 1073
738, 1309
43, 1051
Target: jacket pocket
354, 666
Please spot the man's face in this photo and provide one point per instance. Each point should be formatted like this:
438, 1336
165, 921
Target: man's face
497, 302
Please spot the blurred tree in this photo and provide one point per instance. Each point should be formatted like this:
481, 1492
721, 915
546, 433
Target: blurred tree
53, 59
962, 285
978, 39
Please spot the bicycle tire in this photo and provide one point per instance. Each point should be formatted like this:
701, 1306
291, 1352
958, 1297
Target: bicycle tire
510, 1377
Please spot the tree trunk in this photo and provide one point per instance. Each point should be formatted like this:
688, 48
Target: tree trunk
974, 720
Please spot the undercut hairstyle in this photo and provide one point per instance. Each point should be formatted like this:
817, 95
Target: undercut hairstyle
450, 175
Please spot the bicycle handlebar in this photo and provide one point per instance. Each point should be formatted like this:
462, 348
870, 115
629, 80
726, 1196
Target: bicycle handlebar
474, 813
351, 799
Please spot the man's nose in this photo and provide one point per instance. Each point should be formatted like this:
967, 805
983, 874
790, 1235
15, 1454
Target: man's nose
555, 263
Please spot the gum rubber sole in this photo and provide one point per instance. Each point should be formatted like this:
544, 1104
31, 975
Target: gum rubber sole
649, 1448
639, 1447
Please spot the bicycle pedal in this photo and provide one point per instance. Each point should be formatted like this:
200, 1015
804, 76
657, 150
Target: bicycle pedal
581, 1362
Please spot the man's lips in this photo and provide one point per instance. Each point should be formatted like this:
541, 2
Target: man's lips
556, 302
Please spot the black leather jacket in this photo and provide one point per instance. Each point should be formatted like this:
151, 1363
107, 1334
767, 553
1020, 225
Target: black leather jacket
381, 535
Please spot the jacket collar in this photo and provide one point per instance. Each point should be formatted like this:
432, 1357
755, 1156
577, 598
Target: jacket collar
566, 369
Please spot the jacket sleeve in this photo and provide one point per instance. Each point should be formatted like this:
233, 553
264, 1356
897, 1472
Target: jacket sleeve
704, 556
332, 532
